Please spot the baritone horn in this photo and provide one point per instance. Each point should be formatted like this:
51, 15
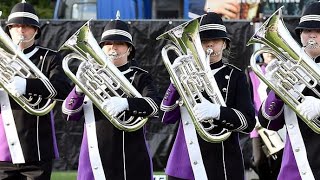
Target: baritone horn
193, 77
14, 63
102, 78
296, 70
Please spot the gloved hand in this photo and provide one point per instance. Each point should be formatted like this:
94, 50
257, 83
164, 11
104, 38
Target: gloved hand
17, 86
310, 107
81, 69
207, 110
178, 61
271, 68
115, 105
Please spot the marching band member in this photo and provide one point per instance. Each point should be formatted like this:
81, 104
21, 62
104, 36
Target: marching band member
300, 155
266, 167
117, 154
27, 142
221, 160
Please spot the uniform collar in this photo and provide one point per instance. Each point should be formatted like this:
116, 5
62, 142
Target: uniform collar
216, 65
29, 49
317, 59
124, 67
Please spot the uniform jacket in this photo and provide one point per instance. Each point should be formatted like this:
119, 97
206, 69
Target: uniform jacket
36, 134
271, 116
117, 147
221, 160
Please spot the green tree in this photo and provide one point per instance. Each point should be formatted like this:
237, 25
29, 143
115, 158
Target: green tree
44, 8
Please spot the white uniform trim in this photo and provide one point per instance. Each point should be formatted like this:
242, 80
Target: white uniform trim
93, 148
32, 52
298, 147
192, 143
10, 129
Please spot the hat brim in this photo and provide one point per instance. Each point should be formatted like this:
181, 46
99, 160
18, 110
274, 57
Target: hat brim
24, 21
214, 34
307, 25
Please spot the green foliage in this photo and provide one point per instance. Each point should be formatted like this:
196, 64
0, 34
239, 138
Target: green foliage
44, 8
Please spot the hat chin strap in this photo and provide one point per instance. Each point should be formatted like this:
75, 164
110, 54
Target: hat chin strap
32, 38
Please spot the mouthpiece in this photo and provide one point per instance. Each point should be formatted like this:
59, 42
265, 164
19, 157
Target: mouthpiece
209, 51
312, 44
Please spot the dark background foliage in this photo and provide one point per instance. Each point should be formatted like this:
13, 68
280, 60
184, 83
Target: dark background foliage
44, 8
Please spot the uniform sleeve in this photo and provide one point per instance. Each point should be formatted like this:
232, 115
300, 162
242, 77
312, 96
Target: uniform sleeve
56, 76
271, 112
72, 106
169, 106
148, 105
240, 117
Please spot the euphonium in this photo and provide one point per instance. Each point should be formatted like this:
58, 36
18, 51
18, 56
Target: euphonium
103, 78
296, 68
193, 77
14, 63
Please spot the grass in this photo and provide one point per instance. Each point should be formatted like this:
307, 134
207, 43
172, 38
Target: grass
72, 175
64, 175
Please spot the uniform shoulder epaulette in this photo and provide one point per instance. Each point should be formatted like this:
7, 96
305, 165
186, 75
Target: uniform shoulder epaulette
232, 66
138, 68
41, 47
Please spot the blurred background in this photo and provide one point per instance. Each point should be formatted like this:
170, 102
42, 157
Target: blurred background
148, 19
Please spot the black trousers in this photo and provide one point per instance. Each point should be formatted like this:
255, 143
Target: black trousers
40, 170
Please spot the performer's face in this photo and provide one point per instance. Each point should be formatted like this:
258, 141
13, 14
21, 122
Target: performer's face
22, 34
217, 45
310, 39
117, 51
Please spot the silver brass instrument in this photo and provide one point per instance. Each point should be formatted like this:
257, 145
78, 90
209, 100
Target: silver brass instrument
193, 77
14, 63
296, 68
272, 142
103, 78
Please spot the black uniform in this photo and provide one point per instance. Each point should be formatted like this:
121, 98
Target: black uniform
221, 160
117, 149
36, 134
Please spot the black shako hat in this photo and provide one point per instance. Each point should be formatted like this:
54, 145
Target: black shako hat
23, 13
310, 18
212, 27
117, 30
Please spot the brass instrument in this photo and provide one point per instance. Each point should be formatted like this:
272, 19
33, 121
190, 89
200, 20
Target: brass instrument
193, 77
295, 66
103, 78
14, 63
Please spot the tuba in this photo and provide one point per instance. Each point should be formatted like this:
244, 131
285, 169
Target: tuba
193, 77
296, 69
103, 78
14, 63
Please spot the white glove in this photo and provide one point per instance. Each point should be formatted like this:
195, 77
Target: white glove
115, 105
17, 86
207, 110
178, 61
310, 107
271, 68
81, 69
